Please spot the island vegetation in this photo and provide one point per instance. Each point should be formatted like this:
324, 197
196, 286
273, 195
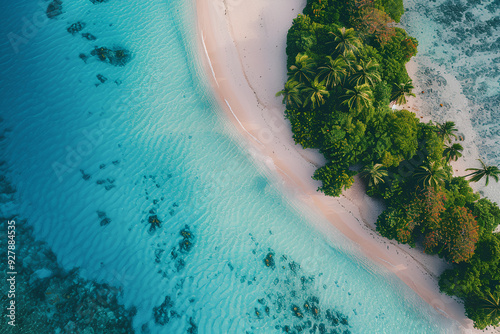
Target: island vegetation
346, 64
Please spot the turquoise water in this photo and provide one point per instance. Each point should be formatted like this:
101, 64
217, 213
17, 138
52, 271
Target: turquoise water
132, 174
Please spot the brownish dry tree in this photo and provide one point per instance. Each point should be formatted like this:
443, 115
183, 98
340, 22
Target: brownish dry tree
371, 21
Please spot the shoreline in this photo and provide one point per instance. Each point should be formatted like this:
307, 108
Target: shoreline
235, 54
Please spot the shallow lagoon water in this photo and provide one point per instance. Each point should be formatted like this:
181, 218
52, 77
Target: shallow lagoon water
133, 175
459, 67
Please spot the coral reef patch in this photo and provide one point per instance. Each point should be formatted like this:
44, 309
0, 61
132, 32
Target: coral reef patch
89, 36
76, 27
54, 9
292, 301
115, 57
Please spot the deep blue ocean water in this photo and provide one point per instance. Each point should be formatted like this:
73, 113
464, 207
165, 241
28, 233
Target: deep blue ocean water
116, 157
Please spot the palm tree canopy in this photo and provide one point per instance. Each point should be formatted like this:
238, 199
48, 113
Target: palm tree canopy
316, 93
346, 40
453, 152
350, 60
291, 94
446, 131
334, 71
358, 97
431, 175
375, 174
489, 305
484, 171
401, 91
303, 70
366, 73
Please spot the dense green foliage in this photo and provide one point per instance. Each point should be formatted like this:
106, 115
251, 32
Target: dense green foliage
394, 8
477, 282
346, 64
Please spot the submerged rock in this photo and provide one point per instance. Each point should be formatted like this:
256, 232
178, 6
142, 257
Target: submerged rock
154, 223
299, 328
332, 317
315, 311
102, 79
145, 329
297, 294
104, 219
186, 244
83, 57
297, 312
162, 313
108, 183
85, 176
294, 266
158, 255
89, 36
174, 254
186, 233
115, 57
269, 260
180, 264
50, 299
98, 1
451, 11
193, 329
54, 9
76, 27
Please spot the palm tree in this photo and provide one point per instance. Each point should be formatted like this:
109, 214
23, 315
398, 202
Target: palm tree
453, 152
431, 175
366, 73
334, 71
291, 94
350, 60
374, 174
303, 70
402, 91
358, 97
490, 304
446, 131
484, 171
346, 40
315, 93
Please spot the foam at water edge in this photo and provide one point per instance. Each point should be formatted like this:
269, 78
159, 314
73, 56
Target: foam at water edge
457, 66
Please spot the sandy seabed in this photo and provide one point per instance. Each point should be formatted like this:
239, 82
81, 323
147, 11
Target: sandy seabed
244, 43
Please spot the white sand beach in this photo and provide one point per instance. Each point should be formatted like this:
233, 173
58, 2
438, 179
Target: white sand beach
245, 47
